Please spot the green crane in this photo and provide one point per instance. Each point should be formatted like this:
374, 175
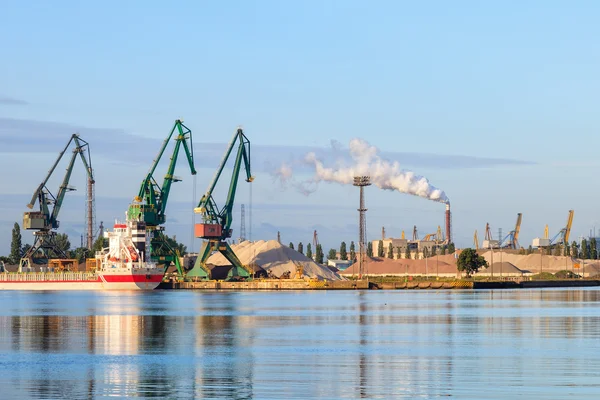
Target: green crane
45, 221
151, 202
216, 223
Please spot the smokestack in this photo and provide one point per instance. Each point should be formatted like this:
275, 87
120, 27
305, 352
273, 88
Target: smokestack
448, 224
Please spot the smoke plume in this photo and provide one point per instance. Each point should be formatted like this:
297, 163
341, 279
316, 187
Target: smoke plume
366, 161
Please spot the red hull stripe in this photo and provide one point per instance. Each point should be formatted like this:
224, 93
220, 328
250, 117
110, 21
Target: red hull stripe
132, 278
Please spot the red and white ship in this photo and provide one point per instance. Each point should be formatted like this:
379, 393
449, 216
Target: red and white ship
124, 265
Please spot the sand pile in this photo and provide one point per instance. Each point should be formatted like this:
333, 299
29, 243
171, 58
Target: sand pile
276, 258
386, 266
498, 268
534, 262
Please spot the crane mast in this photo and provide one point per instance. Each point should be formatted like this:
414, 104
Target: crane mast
150, 205
45, 221
215, 228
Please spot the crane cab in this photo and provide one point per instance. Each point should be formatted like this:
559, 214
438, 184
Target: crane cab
208, 231
34, 220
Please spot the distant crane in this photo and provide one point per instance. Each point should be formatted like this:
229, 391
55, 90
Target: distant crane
44, 221
150, 204
511, 241
561, 238
476, 240
415, 235
489, 242
216, 225
437, 236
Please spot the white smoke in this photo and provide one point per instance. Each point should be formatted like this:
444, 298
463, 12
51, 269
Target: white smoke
366, 161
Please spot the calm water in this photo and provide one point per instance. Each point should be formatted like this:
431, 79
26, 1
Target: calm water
284, 345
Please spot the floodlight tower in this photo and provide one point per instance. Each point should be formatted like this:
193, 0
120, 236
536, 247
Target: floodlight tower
361, 182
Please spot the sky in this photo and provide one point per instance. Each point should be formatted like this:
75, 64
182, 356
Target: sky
493, 102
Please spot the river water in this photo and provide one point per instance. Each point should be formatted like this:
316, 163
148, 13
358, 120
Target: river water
530, 344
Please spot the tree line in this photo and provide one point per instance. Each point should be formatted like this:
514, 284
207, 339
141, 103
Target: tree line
350, 253
587, 250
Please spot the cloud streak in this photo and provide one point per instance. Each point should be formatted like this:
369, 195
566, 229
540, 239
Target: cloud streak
12, 101
27, 136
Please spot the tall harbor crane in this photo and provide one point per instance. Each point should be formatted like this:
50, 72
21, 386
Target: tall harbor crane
511, 241
150, 204
45, 221
476, 240
216, 223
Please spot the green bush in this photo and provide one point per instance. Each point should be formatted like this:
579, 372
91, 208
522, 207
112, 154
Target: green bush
566, 274
544, 276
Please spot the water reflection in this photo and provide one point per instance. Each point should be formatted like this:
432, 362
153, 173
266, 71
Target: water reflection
539, 343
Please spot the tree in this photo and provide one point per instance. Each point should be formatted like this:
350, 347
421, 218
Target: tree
380, 249
343, 252
370, 250
593, 249
530, 250
470, 262
319, 254
332, 254
80, 254
425, 252
99, 244
451, 248
352, 251
300, 248
309, 253
15, 245
291, 245
443, 252
433, 251
406, 252
557, 251
574, 250
567, 250
62, 242
585, 250
390, 251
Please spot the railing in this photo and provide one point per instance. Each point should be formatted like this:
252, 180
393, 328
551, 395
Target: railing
47, 276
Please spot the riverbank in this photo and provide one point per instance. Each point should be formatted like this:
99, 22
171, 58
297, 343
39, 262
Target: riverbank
299, 284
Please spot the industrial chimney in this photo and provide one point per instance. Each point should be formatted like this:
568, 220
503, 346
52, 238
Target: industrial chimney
448, 224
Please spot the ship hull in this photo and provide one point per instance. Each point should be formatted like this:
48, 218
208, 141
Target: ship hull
112, 280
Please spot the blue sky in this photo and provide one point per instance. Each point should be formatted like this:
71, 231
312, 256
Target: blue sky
494, 102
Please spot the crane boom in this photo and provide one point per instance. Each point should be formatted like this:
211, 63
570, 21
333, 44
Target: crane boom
152, 196
216, 225
50, 172
568, 227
